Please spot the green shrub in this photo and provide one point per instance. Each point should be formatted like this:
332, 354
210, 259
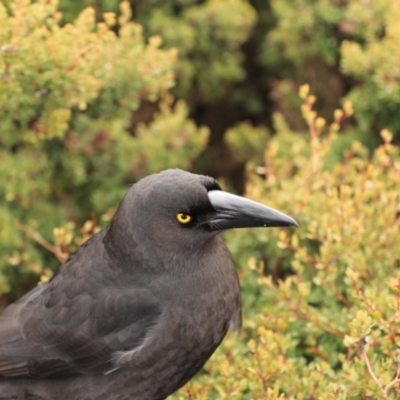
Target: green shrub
250, 57
323, 323
209, 35
374, 60
341, 48
68, 148
321, 302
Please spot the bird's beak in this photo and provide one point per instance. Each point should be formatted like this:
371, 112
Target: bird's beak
237, 212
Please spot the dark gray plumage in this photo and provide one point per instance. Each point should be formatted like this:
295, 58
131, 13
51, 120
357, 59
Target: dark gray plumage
141, 306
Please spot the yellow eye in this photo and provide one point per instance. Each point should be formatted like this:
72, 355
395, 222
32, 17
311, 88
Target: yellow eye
183, 218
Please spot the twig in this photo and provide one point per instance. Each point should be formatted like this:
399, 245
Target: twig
62, 256
188, 393
373, 376
395, 380
384, 389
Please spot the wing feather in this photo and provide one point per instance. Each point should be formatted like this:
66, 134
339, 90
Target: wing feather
74, 323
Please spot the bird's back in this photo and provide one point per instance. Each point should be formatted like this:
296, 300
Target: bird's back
67, 337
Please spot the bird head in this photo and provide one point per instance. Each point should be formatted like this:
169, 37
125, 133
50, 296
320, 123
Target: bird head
177, 212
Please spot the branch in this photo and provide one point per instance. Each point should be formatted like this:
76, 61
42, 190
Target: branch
61, 256
373, 376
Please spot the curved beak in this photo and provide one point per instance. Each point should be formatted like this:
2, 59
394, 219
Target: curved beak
237, 212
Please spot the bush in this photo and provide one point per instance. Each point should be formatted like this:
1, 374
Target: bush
67, 147
241, 60
343, 49
321, 302
323, 323
209, 35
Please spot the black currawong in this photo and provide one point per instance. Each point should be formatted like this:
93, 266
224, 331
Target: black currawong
141, 306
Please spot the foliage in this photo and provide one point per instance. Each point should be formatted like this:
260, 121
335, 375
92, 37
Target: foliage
156, 148
208, 34
67, 147
248, 58
246, 141
342, 48
328, 329
209, 40
321, 302
374, 61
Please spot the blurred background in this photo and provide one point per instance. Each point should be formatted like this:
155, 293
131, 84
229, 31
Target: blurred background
294, 103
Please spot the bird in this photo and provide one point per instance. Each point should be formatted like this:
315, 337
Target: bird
141, 306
